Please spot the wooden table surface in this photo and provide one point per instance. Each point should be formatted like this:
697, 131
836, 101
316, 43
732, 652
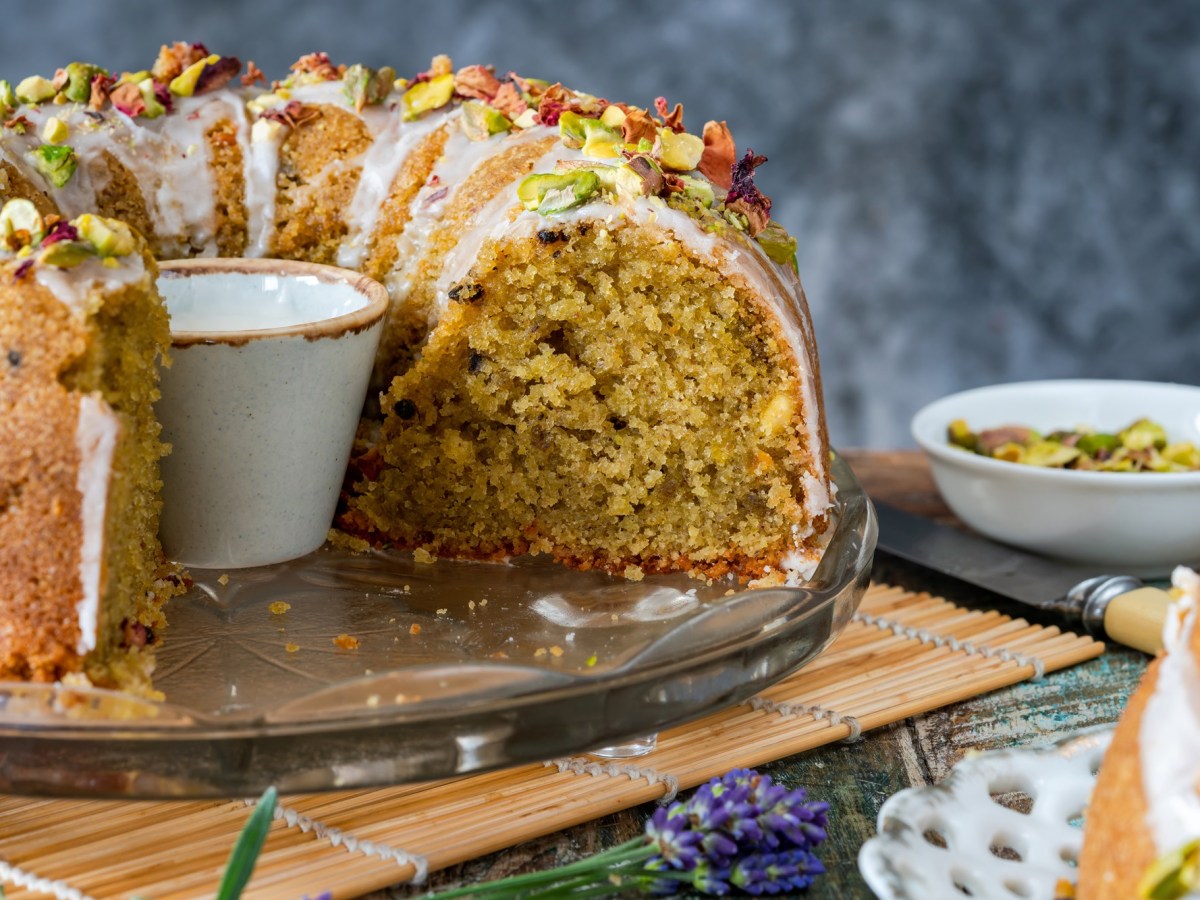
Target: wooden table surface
857, 778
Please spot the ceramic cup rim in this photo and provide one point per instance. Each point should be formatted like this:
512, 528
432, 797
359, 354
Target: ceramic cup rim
351, 322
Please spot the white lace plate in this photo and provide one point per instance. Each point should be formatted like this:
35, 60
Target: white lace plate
1002, 825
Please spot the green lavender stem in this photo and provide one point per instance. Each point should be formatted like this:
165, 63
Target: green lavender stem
573, 878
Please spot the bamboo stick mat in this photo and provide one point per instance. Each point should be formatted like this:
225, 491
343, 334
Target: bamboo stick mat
903, 654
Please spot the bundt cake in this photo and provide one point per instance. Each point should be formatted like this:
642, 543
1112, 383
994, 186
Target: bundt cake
82, 330
597, 345
1142, 829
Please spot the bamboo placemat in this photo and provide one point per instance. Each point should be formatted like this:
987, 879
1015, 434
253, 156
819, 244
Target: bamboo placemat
903, 654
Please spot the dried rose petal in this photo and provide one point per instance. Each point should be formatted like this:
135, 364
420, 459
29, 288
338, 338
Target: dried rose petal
253, 74
62, 230
292, 114
637, 125
19, 124
509, 101
476, 83
552, 103
174, 59
720, 153
127, 98
23, 269
163, 95
317, 64
672, 119
101, 84
744, 197
217, 75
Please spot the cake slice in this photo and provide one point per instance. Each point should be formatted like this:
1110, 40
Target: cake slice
1142, 830
82, 332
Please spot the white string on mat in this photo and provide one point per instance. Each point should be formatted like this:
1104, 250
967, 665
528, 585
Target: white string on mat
295, 819
59, 889
789, 710
925, 636
578, 766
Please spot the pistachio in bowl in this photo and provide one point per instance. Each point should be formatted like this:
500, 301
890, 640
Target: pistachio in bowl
1121, 494
1142, 446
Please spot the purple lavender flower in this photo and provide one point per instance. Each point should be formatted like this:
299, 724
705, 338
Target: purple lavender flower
677, 844
774, 873
789, 814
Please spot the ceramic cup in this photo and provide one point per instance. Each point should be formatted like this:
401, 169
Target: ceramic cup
270, 363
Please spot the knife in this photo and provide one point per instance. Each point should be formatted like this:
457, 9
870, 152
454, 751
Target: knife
1119, 607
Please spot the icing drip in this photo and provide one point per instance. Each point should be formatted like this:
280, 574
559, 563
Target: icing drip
393, 141
1170, 728
96, 438
260, 158
83, 285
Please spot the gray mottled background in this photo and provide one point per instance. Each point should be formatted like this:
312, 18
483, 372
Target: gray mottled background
982, 191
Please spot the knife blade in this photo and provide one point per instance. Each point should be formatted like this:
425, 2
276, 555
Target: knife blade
1119, 607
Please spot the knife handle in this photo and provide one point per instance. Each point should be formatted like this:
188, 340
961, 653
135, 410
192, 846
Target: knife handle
1135, 618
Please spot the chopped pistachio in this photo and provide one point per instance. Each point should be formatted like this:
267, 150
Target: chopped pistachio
21, 215
265, 130
66, 254
778, 244
641, 176
481, 121
613, 117
184, 84
1050, 454
597, 139
79, 81
699, 189
366, 87
1172, 875
8, 98
35, 89
554, 193
133, 77
154, 107
427, 95
570, 128
1097, 442
55, 161
681, 151
960, 435
526, 119
1143, 434
109, 237
55, 131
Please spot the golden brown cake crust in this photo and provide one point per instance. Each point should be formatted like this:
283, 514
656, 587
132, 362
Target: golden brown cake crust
1117, 847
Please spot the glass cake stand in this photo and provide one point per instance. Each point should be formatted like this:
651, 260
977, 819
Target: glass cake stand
339, 671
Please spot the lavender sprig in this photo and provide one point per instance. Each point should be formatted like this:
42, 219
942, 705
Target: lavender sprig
738, 833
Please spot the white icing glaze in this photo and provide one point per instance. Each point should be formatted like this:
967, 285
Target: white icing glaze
96, 439
84, 284
260, 158
1170, 728
392, 142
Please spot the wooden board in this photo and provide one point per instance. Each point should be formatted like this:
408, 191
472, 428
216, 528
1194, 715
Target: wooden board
905, 653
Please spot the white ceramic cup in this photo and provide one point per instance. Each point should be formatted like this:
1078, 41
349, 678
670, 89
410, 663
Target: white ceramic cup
270, 363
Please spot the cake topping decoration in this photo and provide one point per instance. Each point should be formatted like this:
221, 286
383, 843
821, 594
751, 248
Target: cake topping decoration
313, 68
53, 241
672, 119
427, 95
744, 196
292, 114
476, 83
253, 74
56, 161
1174, 875
720, 154
364, 86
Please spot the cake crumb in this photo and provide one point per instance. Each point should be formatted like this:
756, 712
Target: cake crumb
414, 628
483, 602
345, 642
423, 556
373, 700
223, 579
540, 652
614, 617
556, 651
634, 573
730, 592
470, 604
291, 648
279, 607
408, 589
499, 654
443, 611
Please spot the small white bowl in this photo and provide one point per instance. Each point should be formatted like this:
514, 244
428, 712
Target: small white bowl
1139, 523
270, 362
